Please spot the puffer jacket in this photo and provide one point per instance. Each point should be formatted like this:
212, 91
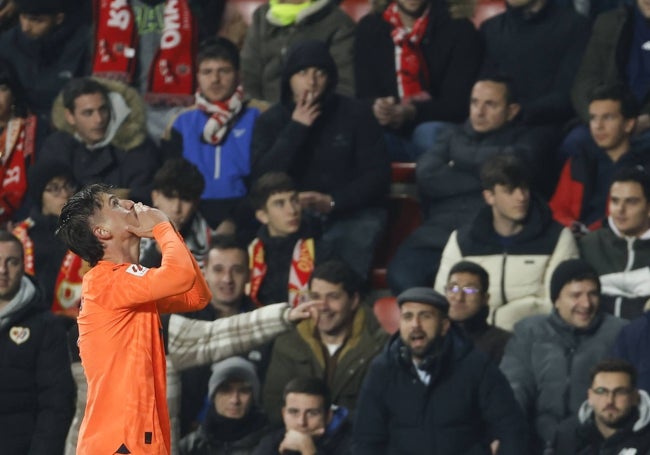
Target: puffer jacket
547, 362
520, 273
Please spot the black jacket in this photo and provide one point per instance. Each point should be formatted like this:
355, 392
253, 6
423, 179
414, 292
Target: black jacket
451, 48
542, 54
467, 404
37, 391
342, 154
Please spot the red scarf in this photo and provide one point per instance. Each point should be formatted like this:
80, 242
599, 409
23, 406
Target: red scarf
67, 289
221, 114
411, 68
16, 155
302, 265
171, 75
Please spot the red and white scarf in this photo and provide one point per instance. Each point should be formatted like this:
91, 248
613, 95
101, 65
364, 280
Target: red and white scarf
171, 75
221, 114
67, 289
302, 265
16, 155
411, 68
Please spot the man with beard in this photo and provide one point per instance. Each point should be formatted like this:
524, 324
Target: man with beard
615, 419
337, 349
430, 391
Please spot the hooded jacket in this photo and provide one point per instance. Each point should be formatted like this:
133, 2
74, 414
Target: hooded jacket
623, 265
267, 42
126, 157
520, 268
342, 153
579, 435
547, 362
36, 386
467, 404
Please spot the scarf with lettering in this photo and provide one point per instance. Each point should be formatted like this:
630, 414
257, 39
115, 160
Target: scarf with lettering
411, 68
171, 74
16, 155
222, 115
302, 265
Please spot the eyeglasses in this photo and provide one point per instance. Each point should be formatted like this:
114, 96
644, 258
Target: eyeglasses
56, 189
467, 290
617, 392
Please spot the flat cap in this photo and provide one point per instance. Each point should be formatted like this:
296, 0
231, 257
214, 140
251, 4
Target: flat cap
426, 296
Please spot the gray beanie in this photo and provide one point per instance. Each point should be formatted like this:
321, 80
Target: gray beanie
426, 296
234, 368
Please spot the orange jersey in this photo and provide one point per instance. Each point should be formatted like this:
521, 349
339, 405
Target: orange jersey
122, 349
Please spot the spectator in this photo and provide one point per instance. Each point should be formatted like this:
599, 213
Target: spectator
280, 25
216, 133
614, 419
539, 43
337, 349
549, 356
36, 387
233, 423
430, 391
468, 296
177, 186
432, 62
515, 238
101, 136
633, 345
580, 199
284, 253
57, 270
332, 148
18, 134
448, 180
311, 423
615, 55
152, 47
620, 250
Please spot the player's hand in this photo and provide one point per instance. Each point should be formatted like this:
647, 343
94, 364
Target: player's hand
307, 109
147, 218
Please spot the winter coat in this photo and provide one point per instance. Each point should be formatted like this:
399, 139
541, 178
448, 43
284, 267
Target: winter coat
342, 154
547, 362
623, 264
451, 49
633, 345
448, 180
541, 53
580, 436
520, 271
488, 339
605, 59
301, 354
36, 386
128, 160
467, 404
267, 42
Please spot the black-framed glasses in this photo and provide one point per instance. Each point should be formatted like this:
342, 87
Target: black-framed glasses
454, 289
617, 392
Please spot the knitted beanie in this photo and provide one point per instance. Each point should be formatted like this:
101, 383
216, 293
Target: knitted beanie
234, 368
38, 7
571, 270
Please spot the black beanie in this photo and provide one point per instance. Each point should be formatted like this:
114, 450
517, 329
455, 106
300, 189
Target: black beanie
426, 296
38, 7
306, 54
40, 174
571, 270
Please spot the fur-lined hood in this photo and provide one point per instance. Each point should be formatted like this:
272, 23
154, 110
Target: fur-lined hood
131, 129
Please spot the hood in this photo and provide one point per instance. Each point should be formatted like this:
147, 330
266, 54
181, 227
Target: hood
23, 301
586, 411
127, 128
305, 54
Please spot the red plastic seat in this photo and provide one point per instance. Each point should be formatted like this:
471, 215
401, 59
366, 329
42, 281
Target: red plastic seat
387, 313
